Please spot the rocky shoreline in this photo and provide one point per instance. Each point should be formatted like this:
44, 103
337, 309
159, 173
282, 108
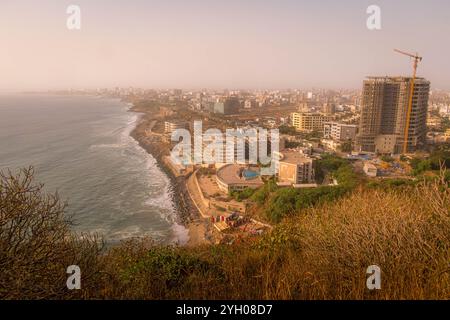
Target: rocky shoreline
187, 212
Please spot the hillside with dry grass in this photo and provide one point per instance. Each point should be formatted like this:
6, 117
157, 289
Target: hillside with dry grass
321, 252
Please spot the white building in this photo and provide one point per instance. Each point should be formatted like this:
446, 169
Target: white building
339, 131
248, 104
170, 126
331, 144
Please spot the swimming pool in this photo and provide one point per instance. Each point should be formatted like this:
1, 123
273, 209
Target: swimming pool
249, 174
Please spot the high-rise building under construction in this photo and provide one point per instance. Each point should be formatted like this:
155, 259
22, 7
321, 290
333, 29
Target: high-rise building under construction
384, 109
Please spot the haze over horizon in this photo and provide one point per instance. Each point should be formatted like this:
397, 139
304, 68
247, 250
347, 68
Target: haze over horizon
218, 44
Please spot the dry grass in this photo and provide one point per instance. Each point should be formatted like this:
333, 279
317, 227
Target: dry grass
405, 233
322, 253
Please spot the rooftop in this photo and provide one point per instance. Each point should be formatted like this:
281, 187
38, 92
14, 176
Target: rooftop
392, 78
232, 174
294, 157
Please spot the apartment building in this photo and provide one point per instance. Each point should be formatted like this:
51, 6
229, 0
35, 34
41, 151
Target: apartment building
227, 107
171, 126
295, 168
309, 121
329, 108
339, 131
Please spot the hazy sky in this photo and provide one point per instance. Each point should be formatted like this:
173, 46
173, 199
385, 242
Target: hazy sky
218, 44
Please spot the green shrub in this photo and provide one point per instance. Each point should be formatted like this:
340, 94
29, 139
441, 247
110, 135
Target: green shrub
387, 158
288, 201
243, 194
261, 195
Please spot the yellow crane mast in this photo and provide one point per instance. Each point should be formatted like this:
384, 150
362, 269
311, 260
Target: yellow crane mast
416, 59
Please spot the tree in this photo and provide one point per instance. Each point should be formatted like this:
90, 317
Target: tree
347, 146
243, 194
36, 243
292, 144
284, 129
328, 164
386, 158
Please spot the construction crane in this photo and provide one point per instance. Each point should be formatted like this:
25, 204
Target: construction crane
416, 59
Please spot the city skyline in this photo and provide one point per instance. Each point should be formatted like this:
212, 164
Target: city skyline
218, 44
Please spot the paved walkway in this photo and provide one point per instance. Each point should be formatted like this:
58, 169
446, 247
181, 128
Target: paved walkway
205, 212
193, 191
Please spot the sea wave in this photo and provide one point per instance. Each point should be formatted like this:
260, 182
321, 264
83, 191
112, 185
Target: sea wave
181, 234
106, 145
165, 199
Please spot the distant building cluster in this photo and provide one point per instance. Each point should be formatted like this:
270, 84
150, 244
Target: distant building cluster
371, 120
381, 124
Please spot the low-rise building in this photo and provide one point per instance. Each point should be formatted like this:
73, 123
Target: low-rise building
447, 133
331, 144
234, 177
171, 126
370, 169
433, 121
248, 104
295, 168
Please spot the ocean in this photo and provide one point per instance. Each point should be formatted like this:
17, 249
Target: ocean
81, 147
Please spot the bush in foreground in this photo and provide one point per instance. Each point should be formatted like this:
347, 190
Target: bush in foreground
36, 243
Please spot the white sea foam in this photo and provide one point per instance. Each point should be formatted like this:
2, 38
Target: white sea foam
127, 233
181, 234
161, 198
113, 187
108, 146
156, 177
